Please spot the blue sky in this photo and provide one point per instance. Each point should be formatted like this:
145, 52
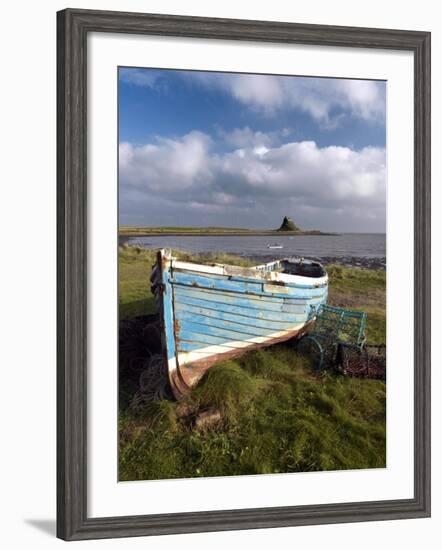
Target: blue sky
229, 149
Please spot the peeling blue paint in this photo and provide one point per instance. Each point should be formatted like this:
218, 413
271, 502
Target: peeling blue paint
202, 311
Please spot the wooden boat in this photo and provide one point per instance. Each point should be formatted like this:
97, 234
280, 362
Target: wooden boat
213, 312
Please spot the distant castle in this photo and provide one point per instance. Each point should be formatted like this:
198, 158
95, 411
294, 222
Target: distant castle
288, 225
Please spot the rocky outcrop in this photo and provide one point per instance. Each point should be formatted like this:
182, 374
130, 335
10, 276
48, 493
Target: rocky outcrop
288, 225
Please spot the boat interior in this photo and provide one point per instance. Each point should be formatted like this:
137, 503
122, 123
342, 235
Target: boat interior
296, 266
306, 268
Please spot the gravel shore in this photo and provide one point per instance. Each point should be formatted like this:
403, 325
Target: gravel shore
346, 261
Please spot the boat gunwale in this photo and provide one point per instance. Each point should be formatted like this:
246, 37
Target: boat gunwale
260, 273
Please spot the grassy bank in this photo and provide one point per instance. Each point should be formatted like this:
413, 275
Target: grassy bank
275, 413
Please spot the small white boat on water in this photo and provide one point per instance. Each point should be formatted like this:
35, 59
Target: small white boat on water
275, 245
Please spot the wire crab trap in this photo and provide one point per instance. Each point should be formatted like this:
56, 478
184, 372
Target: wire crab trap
337, 342
366, 362
333, 326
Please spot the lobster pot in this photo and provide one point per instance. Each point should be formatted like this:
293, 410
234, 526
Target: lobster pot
377, 361
368, 361
336, 326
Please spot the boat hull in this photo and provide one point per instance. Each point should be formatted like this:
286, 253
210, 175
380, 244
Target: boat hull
191, 370
212, 313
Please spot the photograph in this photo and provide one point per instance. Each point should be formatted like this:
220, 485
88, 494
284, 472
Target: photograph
251, 273
236, 238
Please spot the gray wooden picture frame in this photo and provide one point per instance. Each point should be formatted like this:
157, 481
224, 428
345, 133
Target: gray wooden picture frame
73, 27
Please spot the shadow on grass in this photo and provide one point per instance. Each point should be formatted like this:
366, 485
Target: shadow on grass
139, 339
137, 308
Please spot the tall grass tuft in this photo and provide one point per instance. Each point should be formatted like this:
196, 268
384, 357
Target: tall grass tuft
225, 387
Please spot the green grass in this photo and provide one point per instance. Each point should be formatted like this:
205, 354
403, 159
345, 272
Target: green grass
277, 414
361, 289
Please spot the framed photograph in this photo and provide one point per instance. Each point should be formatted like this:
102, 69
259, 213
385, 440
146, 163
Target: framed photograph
243, 274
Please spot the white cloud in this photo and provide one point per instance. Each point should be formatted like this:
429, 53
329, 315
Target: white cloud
139, 77
321, 98
245, 137
326, 100
167, 165
187, 173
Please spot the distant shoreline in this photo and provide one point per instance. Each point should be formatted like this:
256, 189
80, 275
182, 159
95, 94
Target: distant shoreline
218, 233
